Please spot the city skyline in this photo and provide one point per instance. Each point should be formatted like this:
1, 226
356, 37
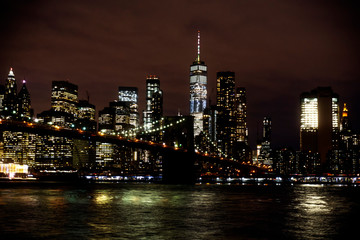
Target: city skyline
276, 53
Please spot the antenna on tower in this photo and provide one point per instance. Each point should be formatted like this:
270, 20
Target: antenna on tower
198, 47
88, 96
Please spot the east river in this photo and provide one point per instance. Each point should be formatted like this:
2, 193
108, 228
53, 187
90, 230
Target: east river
53, 210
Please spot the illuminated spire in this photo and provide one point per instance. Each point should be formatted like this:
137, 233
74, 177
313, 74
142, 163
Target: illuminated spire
198, 47
345, 111
11, 73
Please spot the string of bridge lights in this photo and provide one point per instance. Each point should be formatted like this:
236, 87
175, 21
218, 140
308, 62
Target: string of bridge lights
144, 129
214, 145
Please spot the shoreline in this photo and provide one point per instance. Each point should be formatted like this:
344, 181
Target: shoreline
343, 181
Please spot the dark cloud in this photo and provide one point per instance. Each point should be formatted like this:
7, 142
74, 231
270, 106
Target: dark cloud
277, 49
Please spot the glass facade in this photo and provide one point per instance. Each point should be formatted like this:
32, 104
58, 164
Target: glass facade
154, 100
130, 95
226, 120
309, 114
241, 112
198, 91
64, 97
319, 123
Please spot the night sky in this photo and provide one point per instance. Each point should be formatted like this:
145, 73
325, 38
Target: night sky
277, 49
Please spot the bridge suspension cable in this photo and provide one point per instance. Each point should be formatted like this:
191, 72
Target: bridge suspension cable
149, 128
214, 145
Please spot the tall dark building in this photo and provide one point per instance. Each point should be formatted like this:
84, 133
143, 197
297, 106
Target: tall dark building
10, 97
345, 123
154, 100
107, 120
2, 94
121, 115
210, 120
157, 106
319, 122
226, 119
86, 116
198, 90
25, 110
265, 150
346, 158
267, 130
241, 123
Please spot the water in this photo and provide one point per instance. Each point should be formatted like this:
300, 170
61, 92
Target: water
152, 211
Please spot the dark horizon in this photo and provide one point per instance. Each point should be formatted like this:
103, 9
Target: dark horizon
277, 52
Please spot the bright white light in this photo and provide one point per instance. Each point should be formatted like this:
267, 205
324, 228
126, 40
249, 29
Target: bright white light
309, 113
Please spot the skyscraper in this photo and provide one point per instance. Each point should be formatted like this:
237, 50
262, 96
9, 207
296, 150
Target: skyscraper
25, 111
86, 116
10, 96
348, 159
2, 95
153, 111
198, 90
265, 147
241, 123
107, 120
225, 103
319, 121
345, 124
64, 97
64, 105
121, 115
130, 95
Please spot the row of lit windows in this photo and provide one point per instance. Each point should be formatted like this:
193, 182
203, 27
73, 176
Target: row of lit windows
335, 113
309, 113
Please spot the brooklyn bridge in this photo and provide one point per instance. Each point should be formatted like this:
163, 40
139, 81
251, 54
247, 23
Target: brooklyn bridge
162, 152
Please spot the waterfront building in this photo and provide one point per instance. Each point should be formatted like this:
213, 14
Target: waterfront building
226, 118
105, 153
11, 170
284, 161
18, 147
319, 122
198, 90
130, 95
308, 162
54, 151
84, 153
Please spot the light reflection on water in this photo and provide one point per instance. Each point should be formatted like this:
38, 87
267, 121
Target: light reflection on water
149, 211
